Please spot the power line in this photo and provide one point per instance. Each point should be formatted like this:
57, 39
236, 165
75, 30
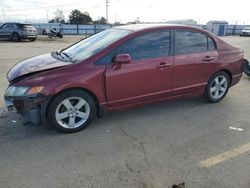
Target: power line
107, 8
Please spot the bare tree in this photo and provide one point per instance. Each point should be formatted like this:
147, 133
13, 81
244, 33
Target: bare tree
59, 17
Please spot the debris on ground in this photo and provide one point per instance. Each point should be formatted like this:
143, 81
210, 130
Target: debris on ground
181, 185
236, 128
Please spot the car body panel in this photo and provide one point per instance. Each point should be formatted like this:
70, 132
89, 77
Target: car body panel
34, 64
137, 83
191, 72
154, 81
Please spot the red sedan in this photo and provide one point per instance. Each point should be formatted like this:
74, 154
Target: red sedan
120, 68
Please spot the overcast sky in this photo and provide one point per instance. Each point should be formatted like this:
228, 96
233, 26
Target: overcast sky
129, 10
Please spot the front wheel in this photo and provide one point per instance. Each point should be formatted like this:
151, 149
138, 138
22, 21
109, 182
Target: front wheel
71, 111
217, 87
32, 39
15, 37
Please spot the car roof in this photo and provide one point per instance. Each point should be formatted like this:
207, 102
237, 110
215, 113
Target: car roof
17, 23
139, 27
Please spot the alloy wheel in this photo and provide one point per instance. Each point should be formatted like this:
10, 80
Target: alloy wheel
72, 112
218, 87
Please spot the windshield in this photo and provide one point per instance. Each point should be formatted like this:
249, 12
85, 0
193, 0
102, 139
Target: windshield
94, 44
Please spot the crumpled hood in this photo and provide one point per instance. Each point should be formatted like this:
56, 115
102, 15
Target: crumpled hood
34, 64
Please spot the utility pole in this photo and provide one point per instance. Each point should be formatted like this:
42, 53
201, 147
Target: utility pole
47, 15
107, 10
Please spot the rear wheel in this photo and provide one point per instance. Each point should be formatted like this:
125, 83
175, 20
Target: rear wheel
50, 35
217, 87
32, 39
15, 37
60, 35
71, 111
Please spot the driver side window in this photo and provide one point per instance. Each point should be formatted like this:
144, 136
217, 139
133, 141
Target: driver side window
4, 26
147, 46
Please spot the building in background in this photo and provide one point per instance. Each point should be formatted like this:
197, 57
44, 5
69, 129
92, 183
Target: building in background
184, 22
217, 27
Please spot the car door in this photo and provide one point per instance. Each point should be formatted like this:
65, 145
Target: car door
3, 32
148, 76
6, 30
194, 61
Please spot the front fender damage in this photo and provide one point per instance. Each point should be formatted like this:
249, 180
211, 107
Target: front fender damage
31, 108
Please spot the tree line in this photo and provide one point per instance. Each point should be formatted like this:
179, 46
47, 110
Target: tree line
76, 17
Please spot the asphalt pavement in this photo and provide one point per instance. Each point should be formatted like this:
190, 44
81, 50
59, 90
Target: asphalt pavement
203, 145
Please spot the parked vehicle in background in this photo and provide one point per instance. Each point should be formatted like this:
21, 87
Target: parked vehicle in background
245, 32
18, 31
246, 67
120, 68
54, 33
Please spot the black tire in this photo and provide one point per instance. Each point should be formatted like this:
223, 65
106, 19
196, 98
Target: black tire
15, 37
32, 39
60, 35
246, 67
57, 100
50, 35
208, 95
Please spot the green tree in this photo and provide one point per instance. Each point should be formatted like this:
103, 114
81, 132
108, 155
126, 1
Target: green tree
77, 17
102, 20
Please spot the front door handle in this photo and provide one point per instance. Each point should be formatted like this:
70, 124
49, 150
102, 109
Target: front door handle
208, 58
163, 65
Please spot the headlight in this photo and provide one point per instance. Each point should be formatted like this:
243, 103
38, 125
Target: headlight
22, 91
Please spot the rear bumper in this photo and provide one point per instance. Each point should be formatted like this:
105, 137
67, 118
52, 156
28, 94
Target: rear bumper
236, 79
31, 108
28, 36
245, 34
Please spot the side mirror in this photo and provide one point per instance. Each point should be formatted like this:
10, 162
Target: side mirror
122, 59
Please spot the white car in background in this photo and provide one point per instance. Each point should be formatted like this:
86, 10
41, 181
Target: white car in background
245, 32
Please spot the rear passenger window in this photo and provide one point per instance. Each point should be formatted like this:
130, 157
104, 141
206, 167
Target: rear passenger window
148, 46
192, 42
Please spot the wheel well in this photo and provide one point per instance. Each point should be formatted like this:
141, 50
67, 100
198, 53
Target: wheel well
97, 103
228, 72
15, 33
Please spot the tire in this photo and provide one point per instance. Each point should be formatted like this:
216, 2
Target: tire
217, 87
71, 111
246, 67
32, 39
60, 35
50, 35
15, 37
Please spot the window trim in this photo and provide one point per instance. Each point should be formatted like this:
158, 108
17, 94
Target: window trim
114, 51
3, 26
170, 52
215, 45
194, 31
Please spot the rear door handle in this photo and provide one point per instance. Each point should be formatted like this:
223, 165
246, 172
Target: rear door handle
163, 65
208, 58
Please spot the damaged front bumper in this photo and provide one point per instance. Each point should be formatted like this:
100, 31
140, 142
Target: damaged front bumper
32, 108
